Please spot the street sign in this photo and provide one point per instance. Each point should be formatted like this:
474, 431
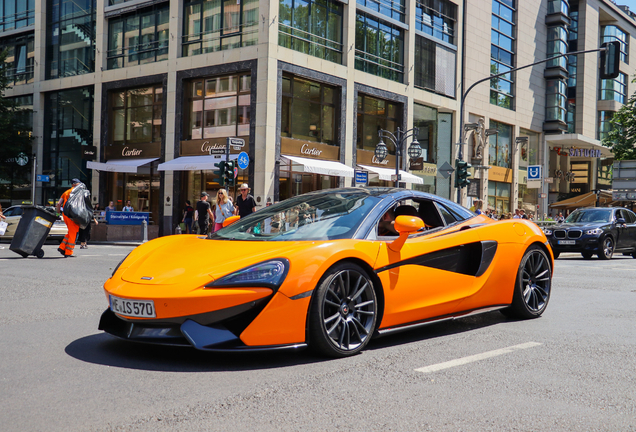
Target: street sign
396, 177
534, 172
543, 195
235, 172
236, 142
362, 177
214, 151
42, 178
548, 179
243, 160
446, 170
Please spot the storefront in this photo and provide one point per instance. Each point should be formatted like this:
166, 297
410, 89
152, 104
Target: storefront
529, 155
499, 186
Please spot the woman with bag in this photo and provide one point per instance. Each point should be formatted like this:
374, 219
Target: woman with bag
222, 210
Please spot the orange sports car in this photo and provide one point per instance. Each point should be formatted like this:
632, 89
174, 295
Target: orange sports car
329, 269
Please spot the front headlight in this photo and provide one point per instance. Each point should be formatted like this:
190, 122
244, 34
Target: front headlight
547, 232
269, 274
595, 231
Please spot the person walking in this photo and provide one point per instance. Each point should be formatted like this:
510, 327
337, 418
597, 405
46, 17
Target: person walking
204, 213
85, 234
68, 243
188, 215
245, 203
128, 207
223, 209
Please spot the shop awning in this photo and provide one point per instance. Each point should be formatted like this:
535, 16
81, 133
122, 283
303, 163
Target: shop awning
119, 165
316, 166
194, 163
386, 173
585, 200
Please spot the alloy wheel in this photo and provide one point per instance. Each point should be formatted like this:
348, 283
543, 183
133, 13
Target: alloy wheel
608, 249
536, 279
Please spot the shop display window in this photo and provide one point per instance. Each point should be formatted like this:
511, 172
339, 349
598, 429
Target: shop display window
375, 114
136, 115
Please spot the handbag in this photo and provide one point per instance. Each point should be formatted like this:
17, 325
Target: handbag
3, 228
183, 227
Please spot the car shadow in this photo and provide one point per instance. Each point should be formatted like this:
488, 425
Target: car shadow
106, 350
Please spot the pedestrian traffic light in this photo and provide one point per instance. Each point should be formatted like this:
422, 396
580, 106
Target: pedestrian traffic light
229, 172
461, 173
610, 60
219, 174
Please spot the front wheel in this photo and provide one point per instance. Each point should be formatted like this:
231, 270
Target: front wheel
533, 285
607, 250
343, 311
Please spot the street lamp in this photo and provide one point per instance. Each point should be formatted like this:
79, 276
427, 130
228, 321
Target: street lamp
399, 140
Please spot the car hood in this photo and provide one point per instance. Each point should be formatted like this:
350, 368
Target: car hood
194, 261
581, 225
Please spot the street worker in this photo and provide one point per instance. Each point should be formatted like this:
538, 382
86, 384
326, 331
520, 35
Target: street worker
68, 244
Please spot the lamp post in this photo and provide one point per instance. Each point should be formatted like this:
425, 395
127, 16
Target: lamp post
399, 140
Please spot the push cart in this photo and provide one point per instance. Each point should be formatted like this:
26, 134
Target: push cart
33, 229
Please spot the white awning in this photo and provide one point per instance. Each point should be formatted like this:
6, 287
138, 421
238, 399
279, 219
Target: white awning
194, 163
316, 166
386, 173
120, 165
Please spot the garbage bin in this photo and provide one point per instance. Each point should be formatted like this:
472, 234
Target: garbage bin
33, 229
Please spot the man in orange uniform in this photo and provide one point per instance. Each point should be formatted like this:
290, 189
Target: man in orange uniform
68, 244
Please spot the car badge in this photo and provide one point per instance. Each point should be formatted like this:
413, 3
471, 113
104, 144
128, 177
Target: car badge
147, 278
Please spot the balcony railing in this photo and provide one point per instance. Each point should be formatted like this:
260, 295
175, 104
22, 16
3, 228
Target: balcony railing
314, 44
385, 68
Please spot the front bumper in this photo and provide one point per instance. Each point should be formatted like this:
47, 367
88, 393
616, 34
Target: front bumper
584, 244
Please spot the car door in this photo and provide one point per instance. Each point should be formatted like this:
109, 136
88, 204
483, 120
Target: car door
623, 240
13, 215
631, 228
427, 277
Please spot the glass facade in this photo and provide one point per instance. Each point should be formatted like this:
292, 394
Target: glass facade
502, 48
70, 38
19, 62
375, 114
139, 38
437, 18
558, 6
425, 119
379, 48
528, 155
435, 67
16, 14
392, 8
215, 25
556, 101
218, 107
573, 35
136, 115
499, 152
604, 125
614, 89
557, 44
312, 27
612, 33
310, 110
499, 197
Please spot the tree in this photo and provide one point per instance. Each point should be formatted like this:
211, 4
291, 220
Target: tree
621, 138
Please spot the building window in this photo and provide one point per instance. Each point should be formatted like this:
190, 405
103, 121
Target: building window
604, 125
16, 14
556, 101
136, 115
379, 48
528, 155
392, 8
310, 110
139, 38
23, 113
435, 67
573, 35
215, 25
558, 6
614, 89
312, 27
499, 153
219, 107
70, 38
425, 119
19, 61
375, 114
499, 197
437, 18
612, 33
557, 44
502, 53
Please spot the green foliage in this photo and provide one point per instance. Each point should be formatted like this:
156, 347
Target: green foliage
621, 138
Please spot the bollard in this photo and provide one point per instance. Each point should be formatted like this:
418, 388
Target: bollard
177, 230
145, 231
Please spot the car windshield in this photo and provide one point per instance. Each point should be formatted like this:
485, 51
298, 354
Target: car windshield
594, 215
315, 216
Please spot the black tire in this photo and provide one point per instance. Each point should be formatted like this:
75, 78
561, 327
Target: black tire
532, 286
343, 311
40, 254
607, 248
587, 255
556, 254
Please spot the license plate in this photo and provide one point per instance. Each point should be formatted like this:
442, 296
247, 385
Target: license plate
134, 308
567, 242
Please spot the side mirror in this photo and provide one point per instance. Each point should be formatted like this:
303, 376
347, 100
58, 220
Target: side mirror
405, 225
230, 220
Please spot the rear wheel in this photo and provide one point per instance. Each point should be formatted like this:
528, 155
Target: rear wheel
533, 285
607, 248
343, 311
587, 255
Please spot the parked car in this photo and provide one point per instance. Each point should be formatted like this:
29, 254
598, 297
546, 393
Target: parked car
595, 230
13, 215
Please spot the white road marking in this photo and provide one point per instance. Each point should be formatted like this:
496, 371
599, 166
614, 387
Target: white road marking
476, 357
116, 254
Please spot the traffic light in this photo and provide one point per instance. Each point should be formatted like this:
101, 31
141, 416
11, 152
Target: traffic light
229, 172
461, 173
610, 60
219, 174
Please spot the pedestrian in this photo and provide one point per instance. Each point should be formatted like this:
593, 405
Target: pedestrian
128, 207
245, 203
204, 213
3, 217
68, 243
517, 214
560, 218
222, 210
188, 215
522, 214
478, 206
85, 233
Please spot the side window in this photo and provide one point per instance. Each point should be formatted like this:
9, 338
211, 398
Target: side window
631, 216
621, 214
446, 214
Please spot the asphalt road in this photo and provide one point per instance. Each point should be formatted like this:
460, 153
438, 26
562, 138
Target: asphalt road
574, 369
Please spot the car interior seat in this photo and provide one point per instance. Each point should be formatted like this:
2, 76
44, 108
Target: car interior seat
429, 214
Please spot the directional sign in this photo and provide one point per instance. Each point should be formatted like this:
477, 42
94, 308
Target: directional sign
243, 160
236, 142
534, 172
446, 170
214, 151
42, 178
362, 177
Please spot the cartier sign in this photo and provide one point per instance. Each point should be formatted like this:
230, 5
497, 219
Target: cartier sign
201, 147
133, 151
314, 150
310, 151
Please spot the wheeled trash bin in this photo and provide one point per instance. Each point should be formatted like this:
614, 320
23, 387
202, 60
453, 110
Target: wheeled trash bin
32, 231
